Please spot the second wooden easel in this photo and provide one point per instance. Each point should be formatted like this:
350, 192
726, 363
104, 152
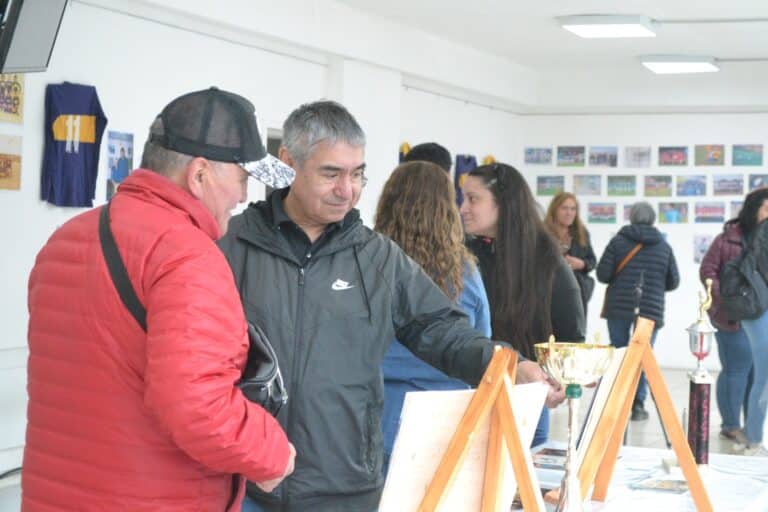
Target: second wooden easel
493, 396
603, 450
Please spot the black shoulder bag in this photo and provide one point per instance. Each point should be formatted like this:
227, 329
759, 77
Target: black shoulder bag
261, 382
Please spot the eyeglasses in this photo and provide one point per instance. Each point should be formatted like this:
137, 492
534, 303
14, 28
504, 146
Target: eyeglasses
332, 177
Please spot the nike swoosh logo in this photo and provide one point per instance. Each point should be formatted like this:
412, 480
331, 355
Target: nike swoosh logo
339, 285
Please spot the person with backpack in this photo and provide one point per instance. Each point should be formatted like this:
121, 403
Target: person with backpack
638, 264
754, 265
735, 379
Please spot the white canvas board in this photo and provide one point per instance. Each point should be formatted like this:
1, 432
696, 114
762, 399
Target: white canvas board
427, 423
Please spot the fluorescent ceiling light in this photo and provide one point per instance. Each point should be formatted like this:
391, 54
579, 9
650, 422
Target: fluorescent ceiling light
603, 26
672, 64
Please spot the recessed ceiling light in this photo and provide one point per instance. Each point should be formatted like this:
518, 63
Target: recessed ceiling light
608, 26
675, 64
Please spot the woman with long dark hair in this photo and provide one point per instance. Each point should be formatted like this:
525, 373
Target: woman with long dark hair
564, 223
735, 379
417, 210
531, 289
752, 221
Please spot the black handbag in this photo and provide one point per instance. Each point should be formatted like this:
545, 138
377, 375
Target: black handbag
261, 382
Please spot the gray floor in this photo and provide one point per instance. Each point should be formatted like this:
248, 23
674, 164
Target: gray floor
648, 433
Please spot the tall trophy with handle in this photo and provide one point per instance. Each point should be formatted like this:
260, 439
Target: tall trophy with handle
700, 335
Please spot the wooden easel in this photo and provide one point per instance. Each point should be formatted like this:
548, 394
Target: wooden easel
600, 458
493, 396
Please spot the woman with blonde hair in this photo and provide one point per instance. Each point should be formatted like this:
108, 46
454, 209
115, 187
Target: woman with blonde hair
562, 220
417, 210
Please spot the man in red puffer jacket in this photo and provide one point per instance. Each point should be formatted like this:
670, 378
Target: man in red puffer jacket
123, 419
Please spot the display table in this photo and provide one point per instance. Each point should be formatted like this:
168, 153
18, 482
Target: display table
735, 483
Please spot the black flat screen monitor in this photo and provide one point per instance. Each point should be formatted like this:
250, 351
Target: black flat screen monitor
28, 33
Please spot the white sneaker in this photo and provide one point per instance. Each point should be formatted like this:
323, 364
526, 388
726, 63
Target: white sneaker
756, 450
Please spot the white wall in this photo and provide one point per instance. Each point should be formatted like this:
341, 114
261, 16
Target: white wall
651, 130
463, 127
137, 67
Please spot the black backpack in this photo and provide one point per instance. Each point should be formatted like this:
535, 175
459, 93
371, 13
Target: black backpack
743, 290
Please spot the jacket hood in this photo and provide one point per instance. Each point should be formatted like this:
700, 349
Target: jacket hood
732, 232
642, 234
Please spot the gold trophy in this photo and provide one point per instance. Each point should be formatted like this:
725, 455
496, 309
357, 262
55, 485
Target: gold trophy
572, 365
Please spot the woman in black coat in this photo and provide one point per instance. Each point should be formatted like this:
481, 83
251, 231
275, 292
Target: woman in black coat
563, 222
652, 269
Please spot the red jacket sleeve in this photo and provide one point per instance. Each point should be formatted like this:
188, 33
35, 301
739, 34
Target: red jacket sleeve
196, 348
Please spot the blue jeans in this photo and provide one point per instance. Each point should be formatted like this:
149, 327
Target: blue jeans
542, 429
620, 330
251, 506
735, 379
757, 333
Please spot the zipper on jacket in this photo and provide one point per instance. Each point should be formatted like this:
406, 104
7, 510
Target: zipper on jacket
294, 375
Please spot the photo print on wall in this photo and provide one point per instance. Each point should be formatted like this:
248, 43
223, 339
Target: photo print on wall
728, 184
637, 157
601, 213
549, 185
621, 185
627, 211
674, 156
709, 211
692, 185
658, 186
673, 213
119, 159
538, 156
736, 208
701, 245
709, 154
603, 156
747, 154
757, 181
12, 98
570, 156
587, 184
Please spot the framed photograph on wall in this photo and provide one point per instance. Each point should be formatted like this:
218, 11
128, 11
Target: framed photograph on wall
587, 184
692, 185
757, 181
747, 154
674, 156
658, 186
637, 157
728, 184
570, 156
603, 156
549, 185
621, 185
538, 156
709, 154
673, 213
709, 211
601, 213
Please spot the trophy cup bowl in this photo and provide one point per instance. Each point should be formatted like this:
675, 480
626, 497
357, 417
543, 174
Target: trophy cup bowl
572, 365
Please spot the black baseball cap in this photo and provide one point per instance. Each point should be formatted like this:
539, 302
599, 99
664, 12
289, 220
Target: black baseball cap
220, 126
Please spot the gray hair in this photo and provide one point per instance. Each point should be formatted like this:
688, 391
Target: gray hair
319, 122
642, 213
157, 158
